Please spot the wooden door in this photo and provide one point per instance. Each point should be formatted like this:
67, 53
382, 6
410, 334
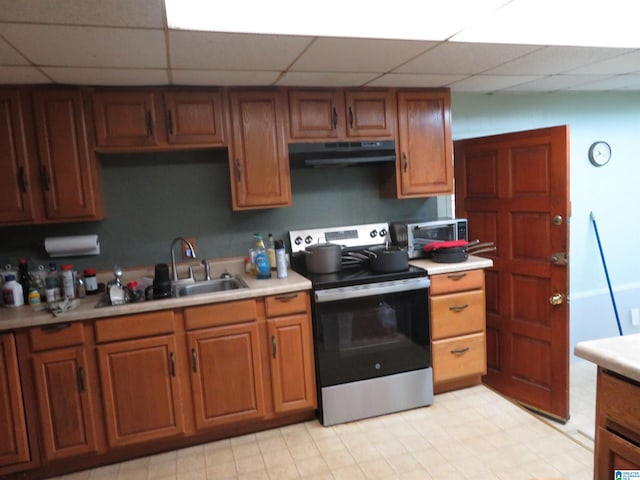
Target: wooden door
425, 165
68, 167
514, 189
370, 114
125, 119
14, 444
292, 363
141, 390
16, 187
226, 375
194, 118
66, 402
259, 161
316, 114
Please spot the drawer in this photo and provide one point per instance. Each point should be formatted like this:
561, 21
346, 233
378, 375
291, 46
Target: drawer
220, 314
459, 357
456, 281
56, 335
286, 304
134, 326
618, 401
457, 314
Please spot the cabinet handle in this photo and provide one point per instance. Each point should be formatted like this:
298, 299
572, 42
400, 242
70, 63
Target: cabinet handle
80, 374
335, 118
286, 298
459, 308
45, 178
405, 162
350, 117
460, 351
56, 327
274, 347
238, 170
456, 276
22, 181
194, 360
149, 125
170, 122
172, 364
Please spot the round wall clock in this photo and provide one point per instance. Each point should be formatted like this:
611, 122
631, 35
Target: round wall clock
599, 153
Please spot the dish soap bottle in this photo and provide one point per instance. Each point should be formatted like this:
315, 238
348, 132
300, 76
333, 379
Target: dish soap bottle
261, 260
271, 252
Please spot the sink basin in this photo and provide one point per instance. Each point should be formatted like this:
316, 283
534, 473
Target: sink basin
209, 286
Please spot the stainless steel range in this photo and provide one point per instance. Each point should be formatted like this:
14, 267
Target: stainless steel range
371, 329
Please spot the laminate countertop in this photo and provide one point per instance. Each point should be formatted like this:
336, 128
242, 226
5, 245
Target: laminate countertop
618, 354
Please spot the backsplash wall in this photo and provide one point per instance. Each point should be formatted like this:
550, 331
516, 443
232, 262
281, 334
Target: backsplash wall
150, 198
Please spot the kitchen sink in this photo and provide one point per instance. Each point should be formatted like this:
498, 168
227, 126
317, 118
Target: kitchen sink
209, 286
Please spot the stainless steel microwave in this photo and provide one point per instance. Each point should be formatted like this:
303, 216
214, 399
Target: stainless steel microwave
413, 235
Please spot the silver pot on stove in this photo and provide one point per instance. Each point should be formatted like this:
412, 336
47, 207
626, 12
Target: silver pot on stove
323, 258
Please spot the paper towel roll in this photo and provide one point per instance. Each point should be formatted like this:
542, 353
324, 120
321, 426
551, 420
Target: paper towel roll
72, 246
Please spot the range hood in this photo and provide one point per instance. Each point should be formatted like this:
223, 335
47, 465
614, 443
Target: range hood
332, 154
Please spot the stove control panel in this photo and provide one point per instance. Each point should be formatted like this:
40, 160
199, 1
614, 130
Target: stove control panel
351, 237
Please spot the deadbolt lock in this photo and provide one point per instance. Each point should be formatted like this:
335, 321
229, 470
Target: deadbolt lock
556, 299
559, 258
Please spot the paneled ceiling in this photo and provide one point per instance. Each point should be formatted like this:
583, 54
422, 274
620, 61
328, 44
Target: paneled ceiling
127, 42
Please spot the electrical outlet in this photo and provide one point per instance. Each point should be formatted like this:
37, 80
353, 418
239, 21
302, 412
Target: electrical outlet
635, 316
186, 251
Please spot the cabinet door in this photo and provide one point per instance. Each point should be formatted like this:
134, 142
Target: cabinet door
370, 114
612, 453
68, 167
316, 114
15, 185
292, 370
66, 403
226, 376
194, 118
125, 119
140, 390
14, 446
425, 166
259, 162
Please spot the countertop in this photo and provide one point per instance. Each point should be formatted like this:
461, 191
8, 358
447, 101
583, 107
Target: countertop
12, 318
618, 354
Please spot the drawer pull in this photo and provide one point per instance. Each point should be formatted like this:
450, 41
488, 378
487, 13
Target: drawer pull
460, 351
458, 308
456, 276
287, 297
56, 327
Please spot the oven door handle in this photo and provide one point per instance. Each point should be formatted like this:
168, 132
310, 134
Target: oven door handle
371, 289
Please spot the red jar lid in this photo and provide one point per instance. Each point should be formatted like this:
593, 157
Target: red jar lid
132, 284
66, 267
88, 272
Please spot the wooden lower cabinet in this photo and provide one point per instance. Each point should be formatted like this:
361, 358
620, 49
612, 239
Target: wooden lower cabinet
14, 443
226, 374
458, 329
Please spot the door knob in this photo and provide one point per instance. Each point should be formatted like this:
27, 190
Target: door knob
556, 299
557, 220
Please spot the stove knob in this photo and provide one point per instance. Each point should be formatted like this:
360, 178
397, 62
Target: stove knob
308, 239
383, 233
373, 233
298, 240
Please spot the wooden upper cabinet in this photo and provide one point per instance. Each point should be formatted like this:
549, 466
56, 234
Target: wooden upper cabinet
156, 118
425, 163
258, 157
68, 166
16, 183
14, 444
339, 114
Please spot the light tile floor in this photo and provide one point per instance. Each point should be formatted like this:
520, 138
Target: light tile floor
472, 433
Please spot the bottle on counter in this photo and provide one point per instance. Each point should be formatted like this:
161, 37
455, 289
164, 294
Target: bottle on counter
34, 296
260, 259
12, 292
52, 284
281, 259
90, 281
24, 280
271, 252
68, 282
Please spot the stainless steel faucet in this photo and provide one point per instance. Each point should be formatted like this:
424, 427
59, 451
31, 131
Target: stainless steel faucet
173, 255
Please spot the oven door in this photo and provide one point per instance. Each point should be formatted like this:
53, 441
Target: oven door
370, 331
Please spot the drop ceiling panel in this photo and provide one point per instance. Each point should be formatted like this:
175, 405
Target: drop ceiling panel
625, 63
106, 76
125, 13
618, 82
9, 55
554, 83
414, 80
223, 77
19, 75
553, 60
490, 83
54, 45
357, 55
464, 58
325, 79
232, 51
